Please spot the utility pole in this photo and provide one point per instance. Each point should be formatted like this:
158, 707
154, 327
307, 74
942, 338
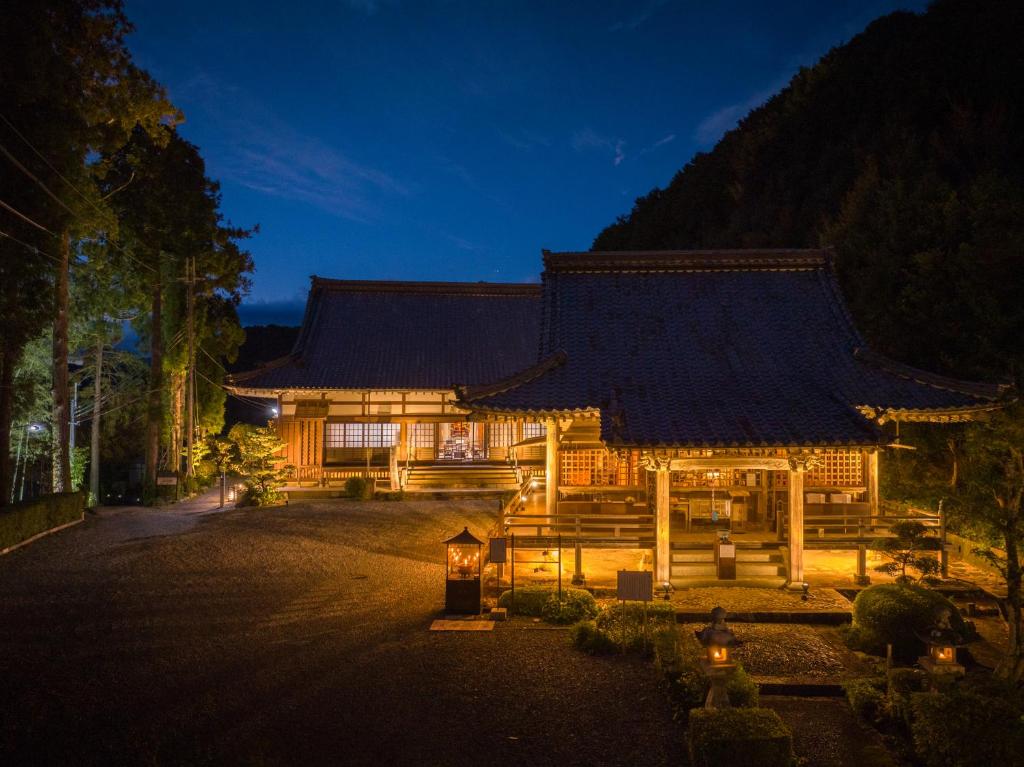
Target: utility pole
94, 436
190, 265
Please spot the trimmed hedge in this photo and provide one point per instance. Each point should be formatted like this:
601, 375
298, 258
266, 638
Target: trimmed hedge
542, 602
588, 638
21, 522
961, 728
739, 737
867, 698
896, 613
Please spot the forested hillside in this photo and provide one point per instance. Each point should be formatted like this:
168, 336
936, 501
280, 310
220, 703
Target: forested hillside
904, 150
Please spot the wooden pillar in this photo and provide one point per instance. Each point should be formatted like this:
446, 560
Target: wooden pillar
403, 441
871, 475
662, 546
796, 522
551, 468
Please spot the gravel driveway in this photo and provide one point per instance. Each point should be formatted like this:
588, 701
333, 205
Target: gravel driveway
294, 635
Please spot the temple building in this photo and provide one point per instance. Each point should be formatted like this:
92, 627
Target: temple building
644, 399
716, 389
368, 387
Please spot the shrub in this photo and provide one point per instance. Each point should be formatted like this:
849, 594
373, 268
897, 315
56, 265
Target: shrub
390, 495
359, 487
529, 600
259, 463
896, 613
21, 522
576, 605
586, 636
866, 697
962, 728
743, 691
739, 737
613, 620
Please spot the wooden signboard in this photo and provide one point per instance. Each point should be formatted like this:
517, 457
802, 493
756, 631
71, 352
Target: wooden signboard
496, 554
635, 586
167, 480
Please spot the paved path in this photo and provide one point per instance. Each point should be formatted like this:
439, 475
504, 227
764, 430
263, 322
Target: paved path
292, 635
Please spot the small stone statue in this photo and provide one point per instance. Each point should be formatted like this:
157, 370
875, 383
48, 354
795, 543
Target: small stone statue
717, 632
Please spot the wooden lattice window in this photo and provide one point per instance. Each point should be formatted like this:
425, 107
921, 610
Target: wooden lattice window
500, 434
533, 429
423, 434
839, 468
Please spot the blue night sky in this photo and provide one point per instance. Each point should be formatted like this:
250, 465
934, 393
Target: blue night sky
377, 139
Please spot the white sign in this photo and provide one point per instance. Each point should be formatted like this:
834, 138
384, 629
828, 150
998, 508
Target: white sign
635, 585
727, 551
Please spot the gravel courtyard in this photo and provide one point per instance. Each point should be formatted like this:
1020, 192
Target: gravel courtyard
293, 635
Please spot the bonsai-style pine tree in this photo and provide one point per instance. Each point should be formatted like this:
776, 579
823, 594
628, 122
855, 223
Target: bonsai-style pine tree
905, 551
262, 469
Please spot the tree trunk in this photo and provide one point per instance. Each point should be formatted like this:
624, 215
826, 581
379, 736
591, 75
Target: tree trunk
61, 427
1012, 667
7, 362
94, 437
154, 418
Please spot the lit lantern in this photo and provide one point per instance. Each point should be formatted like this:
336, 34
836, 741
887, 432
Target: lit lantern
462, 584
718, 655
943, 654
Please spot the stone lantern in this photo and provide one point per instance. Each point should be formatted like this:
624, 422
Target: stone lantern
462, 583
942, 641
718, 666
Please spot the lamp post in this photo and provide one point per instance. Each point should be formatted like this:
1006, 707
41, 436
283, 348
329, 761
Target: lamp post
462, 580
30, 428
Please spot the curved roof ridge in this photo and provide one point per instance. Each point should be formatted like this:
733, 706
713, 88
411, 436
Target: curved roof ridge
411, 286
471, 393
686, 260
991, 391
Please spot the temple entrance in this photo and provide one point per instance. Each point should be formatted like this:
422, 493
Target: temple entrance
461, 441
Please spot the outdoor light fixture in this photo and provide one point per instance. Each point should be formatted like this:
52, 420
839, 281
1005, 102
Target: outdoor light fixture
273, 411
462, 582
666, 591
718, 655
943, 654
806, 589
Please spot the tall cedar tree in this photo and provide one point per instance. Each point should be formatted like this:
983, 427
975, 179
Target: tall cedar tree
68, 90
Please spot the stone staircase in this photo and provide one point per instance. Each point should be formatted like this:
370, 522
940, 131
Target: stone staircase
754, 559
461, 476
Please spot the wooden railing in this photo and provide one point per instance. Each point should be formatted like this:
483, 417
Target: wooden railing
590, 530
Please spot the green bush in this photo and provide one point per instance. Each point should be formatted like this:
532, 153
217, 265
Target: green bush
359, 487
638, 635
576, 605
743, 691
390, 495
867, 698
21, 522
587, 637
896, 613
962, 728
739, 737
529, 600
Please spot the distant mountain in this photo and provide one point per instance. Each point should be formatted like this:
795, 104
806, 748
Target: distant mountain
903, 149
285, 313
263, 343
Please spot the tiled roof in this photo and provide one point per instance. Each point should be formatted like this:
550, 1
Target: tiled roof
712, 348
406, 335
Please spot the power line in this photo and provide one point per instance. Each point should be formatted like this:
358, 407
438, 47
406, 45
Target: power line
32, 176
26, 219
31, 248
40, 155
